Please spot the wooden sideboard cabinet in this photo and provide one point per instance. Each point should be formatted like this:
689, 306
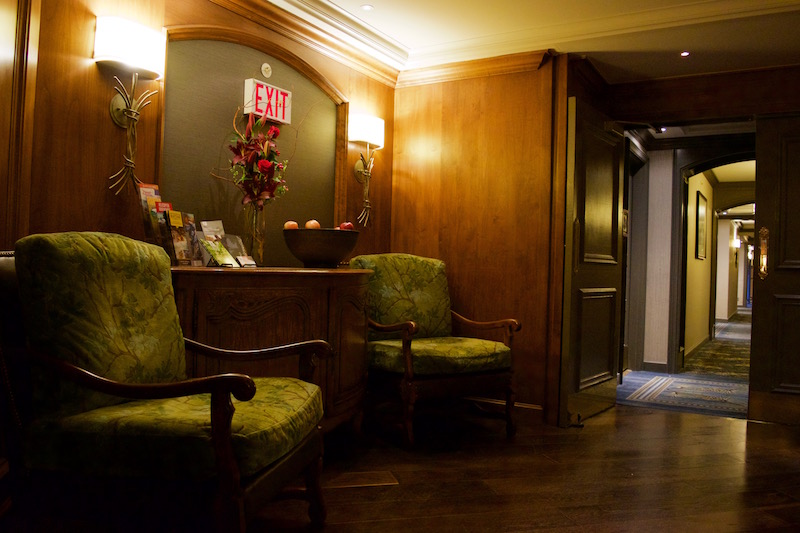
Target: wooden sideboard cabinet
245, 308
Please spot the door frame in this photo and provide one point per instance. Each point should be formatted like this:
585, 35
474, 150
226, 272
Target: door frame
691, 166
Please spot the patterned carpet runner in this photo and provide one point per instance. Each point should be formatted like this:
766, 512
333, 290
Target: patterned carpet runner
715, 378
697, 394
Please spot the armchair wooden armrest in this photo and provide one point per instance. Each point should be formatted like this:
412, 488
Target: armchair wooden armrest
508, 325
309, 352
241, 386
409, 328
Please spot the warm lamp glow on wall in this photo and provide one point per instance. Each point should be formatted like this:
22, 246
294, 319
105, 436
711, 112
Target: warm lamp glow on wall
122, 43
369, 130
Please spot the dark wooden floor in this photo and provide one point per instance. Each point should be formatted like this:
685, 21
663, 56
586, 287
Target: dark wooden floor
628, 469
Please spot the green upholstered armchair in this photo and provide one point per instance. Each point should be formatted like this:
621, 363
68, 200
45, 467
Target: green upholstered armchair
106, 395
411, 345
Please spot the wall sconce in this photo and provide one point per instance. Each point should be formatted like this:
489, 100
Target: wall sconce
737, 241
369, 130
120, 42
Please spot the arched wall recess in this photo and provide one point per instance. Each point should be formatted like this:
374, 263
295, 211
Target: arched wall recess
730, 194
206, 68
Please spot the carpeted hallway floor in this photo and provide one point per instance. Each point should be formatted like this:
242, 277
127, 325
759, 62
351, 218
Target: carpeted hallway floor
714, 379
728, 354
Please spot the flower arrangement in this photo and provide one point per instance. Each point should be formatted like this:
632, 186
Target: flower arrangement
255, 166
256, 171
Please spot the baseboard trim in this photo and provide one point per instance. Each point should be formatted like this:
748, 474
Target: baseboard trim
655, 367
696, 348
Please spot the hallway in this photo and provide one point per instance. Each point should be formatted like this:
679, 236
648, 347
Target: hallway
727, 356
714, 380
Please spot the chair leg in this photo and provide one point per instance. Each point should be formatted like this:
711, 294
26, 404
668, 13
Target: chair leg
409, 398
229, 514
316, 503
511, 425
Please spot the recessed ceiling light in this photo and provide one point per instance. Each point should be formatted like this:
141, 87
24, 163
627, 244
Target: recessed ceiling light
685, 53
367, 7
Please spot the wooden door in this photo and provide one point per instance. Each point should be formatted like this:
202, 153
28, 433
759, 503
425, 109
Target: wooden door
592, 265
775, 342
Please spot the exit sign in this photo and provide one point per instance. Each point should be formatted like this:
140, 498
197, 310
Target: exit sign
272, 103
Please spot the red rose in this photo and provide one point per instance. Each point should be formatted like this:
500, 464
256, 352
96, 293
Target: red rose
264, 166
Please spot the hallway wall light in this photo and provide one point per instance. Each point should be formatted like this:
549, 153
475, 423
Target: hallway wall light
123, 43
369, 130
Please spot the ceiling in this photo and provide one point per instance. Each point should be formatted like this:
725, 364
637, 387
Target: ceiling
626, 40
735, 172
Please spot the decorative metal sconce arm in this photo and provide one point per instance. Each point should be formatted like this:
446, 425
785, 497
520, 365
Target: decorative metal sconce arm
125, 111
363, 172
369, 130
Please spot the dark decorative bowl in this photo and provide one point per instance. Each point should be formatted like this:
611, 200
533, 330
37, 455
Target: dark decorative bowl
320, 248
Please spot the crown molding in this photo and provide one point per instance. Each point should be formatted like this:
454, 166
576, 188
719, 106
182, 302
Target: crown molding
331, 19
326, 28
494, 66
341, 24
301, 31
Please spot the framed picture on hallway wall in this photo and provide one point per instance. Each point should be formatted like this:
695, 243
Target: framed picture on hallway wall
700, 231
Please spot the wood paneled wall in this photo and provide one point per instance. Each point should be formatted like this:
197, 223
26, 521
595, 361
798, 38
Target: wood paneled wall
75, 146
472, 186
715, 97
8, 41
17, 95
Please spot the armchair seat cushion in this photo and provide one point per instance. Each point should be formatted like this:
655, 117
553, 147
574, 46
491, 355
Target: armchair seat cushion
172, 437
441, 355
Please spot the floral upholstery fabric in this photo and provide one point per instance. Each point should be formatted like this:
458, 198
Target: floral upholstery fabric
441, 355
104, 303
173, 436
406, 287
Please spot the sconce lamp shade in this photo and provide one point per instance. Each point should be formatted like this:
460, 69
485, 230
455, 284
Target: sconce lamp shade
366, 128
139, 47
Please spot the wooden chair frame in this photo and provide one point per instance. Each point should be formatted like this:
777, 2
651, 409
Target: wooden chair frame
413, 387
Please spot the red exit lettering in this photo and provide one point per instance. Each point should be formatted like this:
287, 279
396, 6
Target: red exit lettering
268, 101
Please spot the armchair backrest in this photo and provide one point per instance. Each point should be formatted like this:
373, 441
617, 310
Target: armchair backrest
407, 287
102, 302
